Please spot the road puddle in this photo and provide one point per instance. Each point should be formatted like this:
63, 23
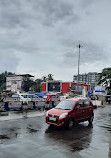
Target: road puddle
31, 130
4, 137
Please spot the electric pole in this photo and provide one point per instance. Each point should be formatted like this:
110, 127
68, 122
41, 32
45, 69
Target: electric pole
79, 46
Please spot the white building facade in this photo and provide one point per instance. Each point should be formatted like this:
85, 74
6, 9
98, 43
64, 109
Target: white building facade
14, 83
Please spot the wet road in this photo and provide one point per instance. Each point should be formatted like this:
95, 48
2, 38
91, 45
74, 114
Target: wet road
32, 138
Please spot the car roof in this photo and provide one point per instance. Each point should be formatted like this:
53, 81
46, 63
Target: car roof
76, 99
26, 94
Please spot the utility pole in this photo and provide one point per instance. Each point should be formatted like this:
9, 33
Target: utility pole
79, 46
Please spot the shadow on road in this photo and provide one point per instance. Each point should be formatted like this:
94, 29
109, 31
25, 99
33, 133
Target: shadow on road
75, 139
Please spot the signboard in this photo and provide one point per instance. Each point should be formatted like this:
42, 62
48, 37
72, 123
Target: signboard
99, 90
39, 103
14, 104
15, 78
54, 87
11, 99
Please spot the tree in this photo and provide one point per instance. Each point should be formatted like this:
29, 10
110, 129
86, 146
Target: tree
27, 84
38, 81
50, 77
2, 87
37, 87
44, 78
47, 78
105, 79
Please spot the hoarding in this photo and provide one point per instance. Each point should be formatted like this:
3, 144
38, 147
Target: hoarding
54, 87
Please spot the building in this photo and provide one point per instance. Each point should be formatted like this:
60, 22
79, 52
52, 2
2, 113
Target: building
14, 82
89, 78
62, 87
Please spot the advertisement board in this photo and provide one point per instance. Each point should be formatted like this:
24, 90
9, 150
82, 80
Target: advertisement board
54, 87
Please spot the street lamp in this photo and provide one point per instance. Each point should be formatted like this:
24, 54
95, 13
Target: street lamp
79, 46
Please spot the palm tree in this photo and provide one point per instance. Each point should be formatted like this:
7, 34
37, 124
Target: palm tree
50, 77
44, 78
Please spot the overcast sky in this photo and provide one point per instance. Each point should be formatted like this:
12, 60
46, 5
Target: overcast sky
41, 36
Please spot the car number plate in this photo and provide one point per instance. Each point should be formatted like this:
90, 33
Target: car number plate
52, 118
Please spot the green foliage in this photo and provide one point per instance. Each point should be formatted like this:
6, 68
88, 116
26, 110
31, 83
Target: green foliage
44, 78
26, 85
105, 79
37, 87
47, 78
32, 85
50, 77
2, 87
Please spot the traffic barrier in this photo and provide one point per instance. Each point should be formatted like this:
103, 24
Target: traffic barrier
39, 105
30, 105
11, 104
14, 105
2, 106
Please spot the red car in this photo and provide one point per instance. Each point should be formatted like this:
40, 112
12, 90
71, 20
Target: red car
71, 111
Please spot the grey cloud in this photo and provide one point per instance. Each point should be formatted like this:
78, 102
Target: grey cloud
54, 11
12, 41
19, 17
89, 54
10, 14
49, 28
86, 3
47, 12
8, 61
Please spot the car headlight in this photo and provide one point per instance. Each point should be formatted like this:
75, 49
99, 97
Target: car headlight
47, 113
63, 115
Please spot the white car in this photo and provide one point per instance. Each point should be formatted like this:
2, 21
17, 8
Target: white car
62, 97
25, 98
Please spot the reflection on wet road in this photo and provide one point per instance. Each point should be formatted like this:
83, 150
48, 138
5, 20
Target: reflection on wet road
32, 138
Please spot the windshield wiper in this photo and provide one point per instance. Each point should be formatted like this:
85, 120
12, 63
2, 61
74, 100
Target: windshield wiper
58, 108
66, 109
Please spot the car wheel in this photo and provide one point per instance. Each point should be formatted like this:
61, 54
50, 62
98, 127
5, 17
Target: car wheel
91, 119
51, 126
70, 123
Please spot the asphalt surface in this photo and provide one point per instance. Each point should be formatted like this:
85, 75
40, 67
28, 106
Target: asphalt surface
32, 138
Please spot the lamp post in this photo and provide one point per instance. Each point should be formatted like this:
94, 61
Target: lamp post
79, 46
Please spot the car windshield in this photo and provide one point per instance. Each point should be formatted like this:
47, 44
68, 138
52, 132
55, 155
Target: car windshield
65, 105
31, 96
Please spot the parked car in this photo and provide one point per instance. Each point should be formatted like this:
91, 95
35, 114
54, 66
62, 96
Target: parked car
25, 98
62, 97
71, 111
